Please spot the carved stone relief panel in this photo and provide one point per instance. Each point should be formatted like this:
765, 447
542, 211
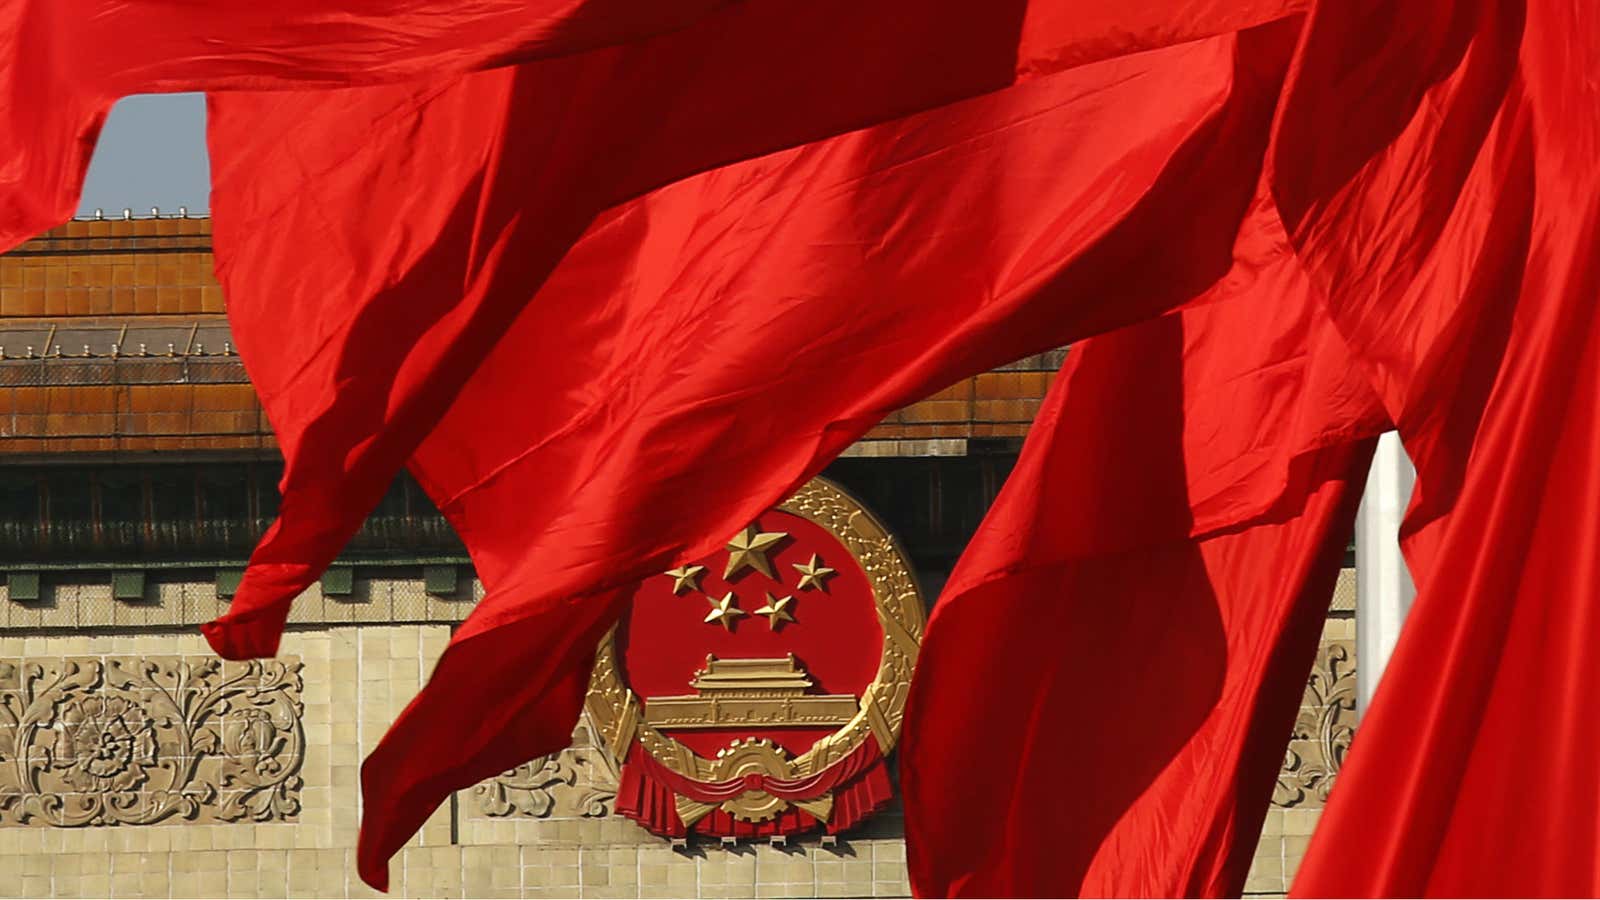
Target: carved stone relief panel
1323, 731
578, 782
141, 740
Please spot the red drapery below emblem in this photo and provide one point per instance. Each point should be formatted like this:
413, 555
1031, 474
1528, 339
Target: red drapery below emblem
859, 783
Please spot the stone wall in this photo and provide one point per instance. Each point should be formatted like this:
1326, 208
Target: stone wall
132, 738
134, 764
1317, 745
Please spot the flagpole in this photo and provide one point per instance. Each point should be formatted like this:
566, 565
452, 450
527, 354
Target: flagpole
1384, 589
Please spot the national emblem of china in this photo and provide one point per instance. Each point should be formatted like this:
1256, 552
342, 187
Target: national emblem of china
758, 691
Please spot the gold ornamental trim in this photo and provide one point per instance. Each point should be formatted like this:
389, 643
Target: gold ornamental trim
617, 712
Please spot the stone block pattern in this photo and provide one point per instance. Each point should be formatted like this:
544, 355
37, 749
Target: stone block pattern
173, 604
1321, 736
544, 829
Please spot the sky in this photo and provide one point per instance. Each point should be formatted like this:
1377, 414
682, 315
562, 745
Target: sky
151, 153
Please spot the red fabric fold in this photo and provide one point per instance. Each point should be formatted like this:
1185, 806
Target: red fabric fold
860, 798
1454, 224
1112, 671
359, 353
873, 268
65, 62
1435, 164
482, 736
650, 804
807, 788
859, 783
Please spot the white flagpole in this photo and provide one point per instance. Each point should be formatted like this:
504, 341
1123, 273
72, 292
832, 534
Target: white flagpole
1384, 589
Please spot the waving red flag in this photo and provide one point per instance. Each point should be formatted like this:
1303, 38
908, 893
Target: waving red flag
358, 352
704, 350
64, 62
1454, 220
1170, 536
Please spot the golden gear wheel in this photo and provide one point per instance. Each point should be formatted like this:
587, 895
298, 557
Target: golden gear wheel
753, 756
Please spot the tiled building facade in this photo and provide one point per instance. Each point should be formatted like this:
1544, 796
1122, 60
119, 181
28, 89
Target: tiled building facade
136, 470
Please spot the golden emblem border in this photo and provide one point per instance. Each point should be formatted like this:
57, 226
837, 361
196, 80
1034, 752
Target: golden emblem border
619, 720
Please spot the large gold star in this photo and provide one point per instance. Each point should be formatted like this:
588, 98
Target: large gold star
748, 549
776, 611
685, 577
812, 573
723, 612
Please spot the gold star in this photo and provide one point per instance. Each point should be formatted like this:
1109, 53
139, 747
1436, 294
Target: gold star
749, 549
776, 611
723, 612
685, 577
811, 574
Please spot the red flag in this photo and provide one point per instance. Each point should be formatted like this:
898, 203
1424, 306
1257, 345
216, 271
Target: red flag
1109, 677
1454, 219
359, 351
704, 350
64, 62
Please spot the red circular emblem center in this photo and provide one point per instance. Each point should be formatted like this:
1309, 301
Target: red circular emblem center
785, 587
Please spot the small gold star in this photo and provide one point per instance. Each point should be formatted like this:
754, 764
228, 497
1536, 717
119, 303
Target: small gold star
748, 549
812, 573
685, 577
776, 611
723, 612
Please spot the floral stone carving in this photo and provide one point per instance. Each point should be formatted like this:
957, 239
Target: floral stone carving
135, 741
1323, 732
578, 782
